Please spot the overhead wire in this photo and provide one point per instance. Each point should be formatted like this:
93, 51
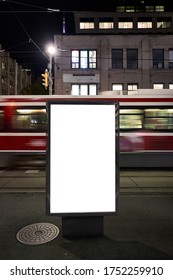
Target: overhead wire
24, 4
17, 45
21, 12
26, 32
43, 9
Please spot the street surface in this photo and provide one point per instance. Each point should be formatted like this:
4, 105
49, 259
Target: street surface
131, 181
142, 229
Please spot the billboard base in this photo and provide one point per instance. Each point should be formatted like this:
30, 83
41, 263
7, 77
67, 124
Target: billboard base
82, 226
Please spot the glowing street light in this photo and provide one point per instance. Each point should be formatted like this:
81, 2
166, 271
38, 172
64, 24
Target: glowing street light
51, 52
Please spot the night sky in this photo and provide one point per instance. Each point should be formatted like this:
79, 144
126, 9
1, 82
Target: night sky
27, 27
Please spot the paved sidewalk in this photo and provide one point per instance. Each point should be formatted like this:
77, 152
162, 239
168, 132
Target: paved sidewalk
139, 182
142, 229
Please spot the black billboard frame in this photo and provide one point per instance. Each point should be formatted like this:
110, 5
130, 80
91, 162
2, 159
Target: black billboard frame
78, 101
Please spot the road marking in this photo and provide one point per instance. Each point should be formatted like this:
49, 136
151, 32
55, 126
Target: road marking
32, 171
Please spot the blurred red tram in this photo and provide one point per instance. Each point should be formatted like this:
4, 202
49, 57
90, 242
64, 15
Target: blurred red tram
145, 121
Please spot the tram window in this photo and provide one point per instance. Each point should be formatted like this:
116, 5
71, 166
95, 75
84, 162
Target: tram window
131, 118
159, 119
30, 119
1, 120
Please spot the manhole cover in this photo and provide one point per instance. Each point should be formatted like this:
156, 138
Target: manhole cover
38, 233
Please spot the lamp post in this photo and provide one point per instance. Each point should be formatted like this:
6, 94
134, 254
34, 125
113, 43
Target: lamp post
51, 51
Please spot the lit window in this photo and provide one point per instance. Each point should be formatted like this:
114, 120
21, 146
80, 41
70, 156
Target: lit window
130, 9
92, 59
131, 119
75, 59
83, 59
75, 90
158, 86
92, 89
3, 65
163, 24
132, 88
159, 8
30, 119
144, 24
86, 25
117, 87
125, 25
106, 25
170, 86
150, 9
84, 89
161, 119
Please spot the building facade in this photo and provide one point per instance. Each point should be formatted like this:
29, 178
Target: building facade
13, 78
129, 49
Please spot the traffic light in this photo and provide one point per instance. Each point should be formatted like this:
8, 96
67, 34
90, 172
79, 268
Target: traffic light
45, 79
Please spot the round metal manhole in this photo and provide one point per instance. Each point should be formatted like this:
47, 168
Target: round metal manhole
38, 233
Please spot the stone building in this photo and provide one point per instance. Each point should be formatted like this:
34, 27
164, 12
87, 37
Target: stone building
129, 49
13, 78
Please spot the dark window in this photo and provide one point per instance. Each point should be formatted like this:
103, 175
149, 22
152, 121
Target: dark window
117, 58
158, 58
132, 58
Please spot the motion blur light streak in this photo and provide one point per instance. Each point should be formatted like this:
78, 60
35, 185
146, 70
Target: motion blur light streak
146, 126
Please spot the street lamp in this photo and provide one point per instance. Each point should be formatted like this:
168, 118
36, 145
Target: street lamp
51, 51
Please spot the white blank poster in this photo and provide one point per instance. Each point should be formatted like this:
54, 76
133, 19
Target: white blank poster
82, 158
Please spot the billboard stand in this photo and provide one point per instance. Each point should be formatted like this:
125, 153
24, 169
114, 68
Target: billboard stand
82, 226
82, 174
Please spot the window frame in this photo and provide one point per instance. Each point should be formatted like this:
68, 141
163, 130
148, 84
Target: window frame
158, 63
2, 119
106, 23
158, 84
118, 85
144, 118
117, 61
33, 129
86, 23
132, 63
89, 60
80, 89
170, 53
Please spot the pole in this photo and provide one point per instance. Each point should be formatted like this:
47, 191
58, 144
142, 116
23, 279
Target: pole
51, 51
50, 76
16, 70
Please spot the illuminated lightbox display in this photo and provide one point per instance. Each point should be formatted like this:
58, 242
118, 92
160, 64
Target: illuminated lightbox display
81, 176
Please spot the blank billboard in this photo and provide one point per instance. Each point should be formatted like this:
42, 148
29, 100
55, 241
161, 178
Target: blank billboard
81, 174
